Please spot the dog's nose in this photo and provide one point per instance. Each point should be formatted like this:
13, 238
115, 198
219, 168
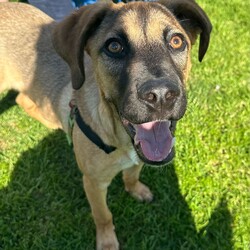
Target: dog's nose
159, 94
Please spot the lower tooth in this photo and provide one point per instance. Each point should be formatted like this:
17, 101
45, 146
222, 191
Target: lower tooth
173, 142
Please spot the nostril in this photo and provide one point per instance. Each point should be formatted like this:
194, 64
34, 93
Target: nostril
159, 94
171, 95
151, 97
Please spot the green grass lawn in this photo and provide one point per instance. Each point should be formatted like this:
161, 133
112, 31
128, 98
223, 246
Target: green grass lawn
202, 200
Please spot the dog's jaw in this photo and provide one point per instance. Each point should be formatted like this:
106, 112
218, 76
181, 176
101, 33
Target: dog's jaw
153, 141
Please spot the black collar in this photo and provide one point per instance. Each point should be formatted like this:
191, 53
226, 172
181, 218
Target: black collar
87, 130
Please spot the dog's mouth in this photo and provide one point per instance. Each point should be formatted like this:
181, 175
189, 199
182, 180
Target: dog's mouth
153, 141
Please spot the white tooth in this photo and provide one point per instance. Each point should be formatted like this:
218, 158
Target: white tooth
137, 142
169, 123
173, 142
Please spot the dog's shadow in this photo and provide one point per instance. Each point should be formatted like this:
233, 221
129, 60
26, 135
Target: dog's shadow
44, 207
7, 101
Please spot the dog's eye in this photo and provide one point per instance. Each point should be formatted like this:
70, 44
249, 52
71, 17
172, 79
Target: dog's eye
114, 47
176, 42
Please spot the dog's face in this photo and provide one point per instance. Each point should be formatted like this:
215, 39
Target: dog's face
141, 57
141, 63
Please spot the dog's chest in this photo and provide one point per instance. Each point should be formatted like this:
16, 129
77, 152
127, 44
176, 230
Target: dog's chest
129, 159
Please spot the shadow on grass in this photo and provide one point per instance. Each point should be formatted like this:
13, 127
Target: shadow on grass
44, 207
8, 101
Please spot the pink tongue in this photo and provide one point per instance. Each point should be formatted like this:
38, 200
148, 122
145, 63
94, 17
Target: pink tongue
155, 139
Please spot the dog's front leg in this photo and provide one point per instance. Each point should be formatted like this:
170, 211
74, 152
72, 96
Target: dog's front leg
105, 234
132, 184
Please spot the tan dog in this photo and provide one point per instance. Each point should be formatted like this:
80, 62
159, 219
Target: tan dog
127, 63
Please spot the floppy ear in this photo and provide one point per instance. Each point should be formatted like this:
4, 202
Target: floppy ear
70, 37
193, 19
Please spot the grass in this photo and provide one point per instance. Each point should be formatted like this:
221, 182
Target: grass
201, 201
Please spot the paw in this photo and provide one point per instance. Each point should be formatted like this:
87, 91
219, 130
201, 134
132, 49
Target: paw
140, 191
106, 240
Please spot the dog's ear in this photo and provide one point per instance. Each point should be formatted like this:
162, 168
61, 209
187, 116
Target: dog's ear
70, 37
193, 19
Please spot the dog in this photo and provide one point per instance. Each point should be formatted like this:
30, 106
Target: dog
118, 73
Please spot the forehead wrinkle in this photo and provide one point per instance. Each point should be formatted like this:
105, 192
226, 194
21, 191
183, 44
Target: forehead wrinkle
157, 22
146, 25
133, 27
